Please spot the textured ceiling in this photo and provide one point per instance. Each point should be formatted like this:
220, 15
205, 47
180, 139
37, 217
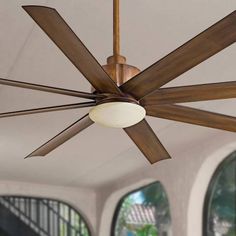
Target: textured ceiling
149, 30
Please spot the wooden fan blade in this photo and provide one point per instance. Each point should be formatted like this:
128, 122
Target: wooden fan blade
47, 109
62, 35
62, 137
191, 93
48, 89
193, 116
148, 143
192, 53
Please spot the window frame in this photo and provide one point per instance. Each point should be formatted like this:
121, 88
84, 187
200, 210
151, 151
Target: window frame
83, 218
231, 157
119, 204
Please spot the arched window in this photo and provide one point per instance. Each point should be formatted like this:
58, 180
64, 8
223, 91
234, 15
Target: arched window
219, 217
28, 216
143, 212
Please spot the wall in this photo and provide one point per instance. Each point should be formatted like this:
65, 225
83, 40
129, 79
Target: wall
200, 187
82, 199
185, 178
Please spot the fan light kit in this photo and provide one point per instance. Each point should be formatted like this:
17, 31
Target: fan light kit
117, 114
122, 95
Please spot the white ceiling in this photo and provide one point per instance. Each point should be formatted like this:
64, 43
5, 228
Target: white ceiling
149, 29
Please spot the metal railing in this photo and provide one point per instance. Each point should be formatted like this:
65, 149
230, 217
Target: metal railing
46, 217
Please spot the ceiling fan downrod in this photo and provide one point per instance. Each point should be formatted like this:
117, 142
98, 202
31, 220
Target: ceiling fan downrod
116, 65
116, 29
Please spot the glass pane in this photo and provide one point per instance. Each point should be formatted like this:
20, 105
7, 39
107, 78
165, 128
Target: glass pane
21, 216
144, 212
221, 201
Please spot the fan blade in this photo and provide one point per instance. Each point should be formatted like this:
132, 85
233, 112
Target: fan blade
192, 53
62, 35
48, 89
191, 93
62, 137
47, 109
148, 143
193, 116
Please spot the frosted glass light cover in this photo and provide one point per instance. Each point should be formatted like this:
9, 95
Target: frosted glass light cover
117, 114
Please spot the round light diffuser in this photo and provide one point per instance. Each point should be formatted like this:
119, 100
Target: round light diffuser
117, 114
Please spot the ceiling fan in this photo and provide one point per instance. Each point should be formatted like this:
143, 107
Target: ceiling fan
122, 95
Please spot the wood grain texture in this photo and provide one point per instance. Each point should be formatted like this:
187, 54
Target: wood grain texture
147, 141
48, 89
120, 73
192, 53
193, 116
47, 109
62, 137
193, 93
62, 35
116, 28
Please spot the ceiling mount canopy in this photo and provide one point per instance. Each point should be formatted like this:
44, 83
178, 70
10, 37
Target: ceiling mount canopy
122, 95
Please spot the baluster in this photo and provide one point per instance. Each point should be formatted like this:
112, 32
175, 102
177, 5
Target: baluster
48, 218
37, 212
80, 226
69, 228
25, 206
58, 218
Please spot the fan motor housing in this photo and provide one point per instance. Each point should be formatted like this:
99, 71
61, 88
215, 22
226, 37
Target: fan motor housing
118, 70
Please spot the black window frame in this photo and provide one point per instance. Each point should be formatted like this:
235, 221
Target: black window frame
81, 215
120, 202
231, 157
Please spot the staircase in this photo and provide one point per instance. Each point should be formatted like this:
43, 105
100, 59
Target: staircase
22, 216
